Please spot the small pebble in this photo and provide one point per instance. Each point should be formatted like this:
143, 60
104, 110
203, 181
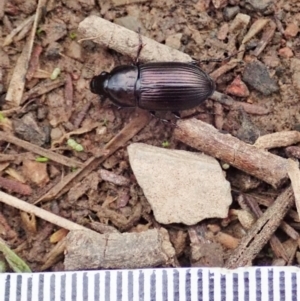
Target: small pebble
291, 30
220, 3
263, 6
257, 76
238, 88
230, 12
174, 41
286, 52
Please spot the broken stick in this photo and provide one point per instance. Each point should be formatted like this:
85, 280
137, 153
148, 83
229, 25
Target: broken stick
87, 250
127, 42
261, 231
258, 163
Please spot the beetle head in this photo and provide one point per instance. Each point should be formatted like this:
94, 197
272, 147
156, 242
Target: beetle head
99, 83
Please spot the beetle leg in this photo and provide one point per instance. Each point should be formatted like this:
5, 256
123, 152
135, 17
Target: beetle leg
176, 114
165, 121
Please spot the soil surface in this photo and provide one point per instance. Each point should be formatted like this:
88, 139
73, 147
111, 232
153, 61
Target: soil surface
57, 112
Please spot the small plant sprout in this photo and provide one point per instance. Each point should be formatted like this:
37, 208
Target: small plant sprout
55, 73
42, 159
73, 35
74, 145
165, 144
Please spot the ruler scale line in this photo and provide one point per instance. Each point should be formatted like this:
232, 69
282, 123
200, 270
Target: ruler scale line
177, 284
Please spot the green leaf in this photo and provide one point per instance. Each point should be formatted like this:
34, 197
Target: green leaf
41, 159
17, 264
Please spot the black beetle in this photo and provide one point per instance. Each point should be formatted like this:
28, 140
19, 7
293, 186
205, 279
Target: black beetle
161, 86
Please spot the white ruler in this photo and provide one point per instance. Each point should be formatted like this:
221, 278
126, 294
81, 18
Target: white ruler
184, 284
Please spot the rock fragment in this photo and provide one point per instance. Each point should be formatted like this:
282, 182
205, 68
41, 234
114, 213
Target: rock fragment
257, 76
181, 186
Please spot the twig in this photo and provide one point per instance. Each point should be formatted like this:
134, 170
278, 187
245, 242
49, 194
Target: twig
275, 243
223, 69
127, 42
42, 88
39, 150
279, 139
17, 83
9, 39
261, 232
265, 39
45, 215
294, 174
15, 186
34, 61
247, 107
204, 137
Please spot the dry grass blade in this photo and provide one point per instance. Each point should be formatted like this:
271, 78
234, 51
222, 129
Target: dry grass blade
17, 83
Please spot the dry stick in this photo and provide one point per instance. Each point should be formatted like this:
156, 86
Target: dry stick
127, 42
275, 243
9, 38
44, 214
258, 163
261, 231
255, 28
34, 61
13, 157
290, 231
279, 139
130, 130
17, 83
2, 6
39, 150
219, 115
265, 39
294, 174
230, 102
42, 88
223, 69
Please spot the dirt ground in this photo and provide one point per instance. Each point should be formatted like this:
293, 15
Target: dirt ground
57, 104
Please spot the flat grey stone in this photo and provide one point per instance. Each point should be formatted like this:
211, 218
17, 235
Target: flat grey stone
257, 76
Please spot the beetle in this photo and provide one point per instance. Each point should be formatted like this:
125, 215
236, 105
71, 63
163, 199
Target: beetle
156, 86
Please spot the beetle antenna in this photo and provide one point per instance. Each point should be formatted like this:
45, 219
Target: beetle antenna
141, 45
220, 60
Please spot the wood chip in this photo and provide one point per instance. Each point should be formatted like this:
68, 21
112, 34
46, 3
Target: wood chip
279, 139
255, 28
86, 250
